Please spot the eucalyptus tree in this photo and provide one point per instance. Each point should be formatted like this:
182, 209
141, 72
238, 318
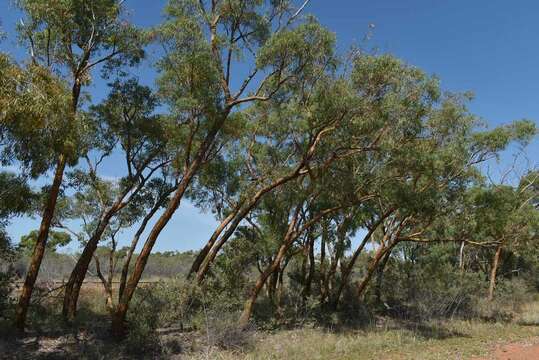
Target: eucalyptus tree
374, 119
503, 217
66, 40
305, 207
423, 166
286, 141
126, 124
205, 42
324, 122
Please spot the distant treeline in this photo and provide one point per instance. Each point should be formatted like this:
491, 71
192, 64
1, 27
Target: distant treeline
57, 266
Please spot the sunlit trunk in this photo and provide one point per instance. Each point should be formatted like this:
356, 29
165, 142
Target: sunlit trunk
21, 310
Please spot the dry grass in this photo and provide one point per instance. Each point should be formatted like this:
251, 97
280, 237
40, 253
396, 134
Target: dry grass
530, 314
455, 339
444, 340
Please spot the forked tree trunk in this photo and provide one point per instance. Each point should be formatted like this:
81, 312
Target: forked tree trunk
347, 271
21, 310
291, 235
493, 272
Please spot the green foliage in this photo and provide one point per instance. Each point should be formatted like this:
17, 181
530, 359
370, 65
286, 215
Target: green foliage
7, 257
16, 197
66, 32
35, 120
56, 239
307, 150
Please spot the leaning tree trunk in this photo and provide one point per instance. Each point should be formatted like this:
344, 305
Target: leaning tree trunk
380, 277
39, 249
289, 238
372, 267
211, 242
74, 284
493, 271
249, 304
127, 261
118, 318
347, 271
205, 263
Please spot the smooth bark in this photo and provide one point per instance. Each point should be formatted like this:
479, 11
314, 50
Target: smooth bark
493, 272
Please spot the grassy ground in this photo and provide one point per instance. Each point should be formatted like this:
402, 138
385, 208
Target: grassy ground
443, 340
387, 339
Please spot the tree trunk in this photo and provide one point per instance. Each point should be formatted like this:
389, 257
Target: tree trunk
119, 315
493, 271
211, 242
74, 284
280, 289
213, 251
372, 267
289, 238
134, 242
312, 268
347, 271
380, 277
250, 302
107, 284
461, 257
322, 269
118, 322
118, 318
39, 249
308, 273
272, 285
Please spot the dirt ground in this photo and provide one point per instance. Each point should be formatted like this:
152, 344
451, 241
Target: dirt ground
516, 351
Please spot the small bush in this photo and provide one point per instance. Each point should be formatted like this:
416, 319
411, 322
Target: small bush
7, 273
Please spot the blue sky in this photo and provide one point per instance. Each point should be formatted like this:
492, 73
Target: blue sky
488, 47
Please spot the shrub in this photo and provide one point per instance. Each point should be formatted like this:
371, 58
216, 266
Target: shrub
7, 273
